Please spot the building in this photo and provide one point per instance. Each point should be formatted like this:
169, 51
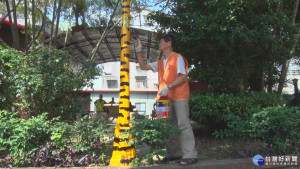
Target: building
293, 73
6, 34
143, 86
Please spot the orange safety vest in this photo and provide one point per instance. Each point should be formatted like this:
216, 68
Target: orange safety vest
168, 75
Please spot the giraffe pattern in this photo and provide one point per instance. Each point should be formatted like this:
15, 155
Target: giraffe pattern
123, 149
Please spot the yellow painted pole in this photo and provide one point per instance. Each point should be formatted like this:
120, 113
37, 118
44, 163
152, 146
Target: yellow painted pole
123, 149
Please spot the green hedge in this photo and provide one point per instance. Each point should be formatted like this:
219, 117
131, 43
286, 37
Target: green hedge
251, 116
279, 127
211, 110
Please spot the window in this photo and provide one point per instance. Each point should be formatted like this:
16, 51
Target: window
141, 82
141, 107
112, 84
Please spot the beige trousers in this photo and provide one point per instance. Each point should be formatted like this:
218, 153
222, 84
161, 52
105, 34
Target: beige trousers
184, 144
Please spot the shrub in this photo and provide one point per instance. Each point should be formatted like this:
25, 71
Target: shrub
21, 138
153, 133
38, 141
80, 143
276, 126
45, 80
211, 111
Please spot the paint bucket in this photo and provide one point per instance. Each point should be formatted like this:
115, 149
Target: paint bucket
162, 109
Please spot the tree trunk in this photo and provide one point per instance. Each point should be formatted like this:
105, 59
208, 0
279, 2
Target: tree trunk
52, 24
13, 27
33, 24
5, 16
44, 23
69, 25
76, 18
26, 26
57, 18
286, 64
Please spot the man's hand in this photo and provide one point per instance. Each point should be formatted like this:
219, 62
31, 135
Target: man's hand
138, 46
164, 91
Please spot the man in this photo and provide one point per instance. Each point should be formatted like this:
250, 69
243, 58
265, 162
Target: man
172, 77
99, 108
112, 101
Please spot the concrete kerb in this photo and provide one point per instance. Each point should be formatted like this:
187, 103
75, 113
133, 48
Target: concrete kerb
203, 164
206, 164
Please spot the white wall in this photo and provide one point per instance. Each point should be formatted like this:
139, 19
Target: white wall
111, 71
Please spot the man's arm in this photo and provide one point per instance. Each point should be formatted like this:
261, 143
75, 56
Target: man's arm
181, 79
143, 65
138, 50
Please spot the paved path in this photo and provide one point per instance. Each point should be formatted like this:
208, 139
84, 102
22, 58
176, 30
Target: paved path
205, 164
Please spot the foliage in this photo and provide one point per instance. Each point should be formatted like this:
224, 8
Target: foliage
80, 143
277, 126
235, 45
211, 110
8, 60
153, 133
38, 141
47, 80
21, 138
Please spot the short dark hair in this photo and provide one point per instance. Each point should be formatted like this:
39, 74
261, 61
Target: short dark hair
167, 38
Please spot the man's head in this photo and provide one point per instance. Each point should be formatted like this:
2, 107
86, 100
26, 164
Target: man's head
100, 96
112, 99
166, 42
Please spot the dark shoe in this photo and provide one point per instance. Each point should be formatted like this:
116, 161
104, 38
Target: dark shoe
166, 159
188, 161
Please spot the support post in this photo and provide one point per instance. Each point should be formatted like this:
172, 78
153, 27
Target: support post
123, 148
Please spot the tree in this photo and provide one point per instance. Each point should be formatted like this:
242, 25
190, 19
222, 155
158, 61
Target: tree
287, 62
234, 46
43, 81
14, 28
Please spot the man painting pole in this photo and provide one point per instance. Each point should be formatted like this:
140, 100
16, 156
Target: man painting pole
173, 83
123, 152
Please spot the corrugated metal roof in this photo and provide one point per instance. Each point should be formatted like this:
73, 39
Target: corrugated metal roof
82, 42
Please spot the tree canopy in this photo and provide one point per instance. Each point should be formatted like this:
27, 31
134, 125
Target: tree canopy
235, 45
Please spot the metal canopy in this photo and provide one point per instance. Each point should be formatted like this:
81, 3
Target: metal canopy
81, 43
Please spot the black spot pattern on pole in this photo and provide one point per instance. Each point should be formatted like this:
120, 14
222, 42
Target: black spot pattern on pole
124, 84
123, 35
125, 108
126, 55
120, 115
124, 97
123, 63
125, 70
123, 148
117, 140
127, 161
124, 125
